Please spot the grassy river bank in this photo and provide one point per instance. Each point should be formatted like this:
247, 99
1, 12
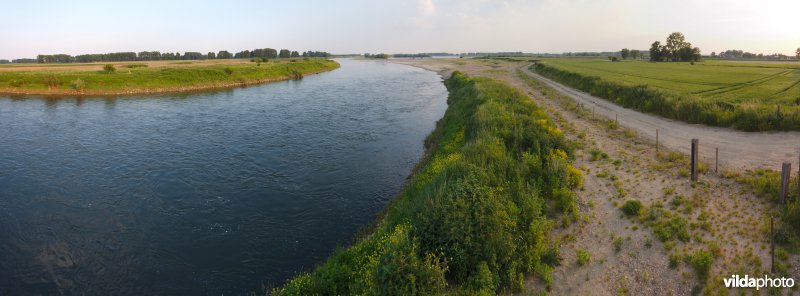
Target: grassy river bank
475, 216
141, 78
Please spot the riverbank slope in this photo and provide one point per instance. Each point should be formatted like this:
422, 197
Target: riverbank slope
154, 77
476, 215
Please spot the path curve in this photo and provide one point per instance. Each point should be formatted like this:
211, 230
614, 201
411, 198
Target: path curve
737, 149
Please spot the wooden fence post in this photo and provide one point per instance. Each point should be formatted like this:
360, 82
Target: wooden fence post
656, 142
785, 172
695, 143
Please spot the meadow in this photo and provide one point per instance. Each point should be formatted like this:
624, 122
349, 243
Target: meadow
475, 217
152, 77
748, 96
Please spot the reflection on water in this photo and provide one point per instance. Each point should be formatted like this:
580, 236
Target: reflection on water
205, 193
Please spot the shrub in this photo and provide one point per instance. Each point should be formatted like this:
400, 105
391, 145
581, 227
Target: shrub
228, 71
15, 83
701, 261
109, 68
632, 207
78, 84
597, 154
52, 81
132, 66
667, 230
618, 244
583, 257
674, 259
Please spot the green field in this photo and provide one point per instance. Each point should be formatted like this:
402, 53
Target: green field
132, 78
743, 95
475, 218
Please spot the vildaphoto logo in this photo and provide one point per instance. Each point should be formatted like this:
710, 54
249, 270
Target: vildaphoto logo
736, 281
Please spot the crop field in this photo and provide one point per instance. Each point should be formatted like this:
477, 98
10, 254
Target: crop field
732, 82
752, 96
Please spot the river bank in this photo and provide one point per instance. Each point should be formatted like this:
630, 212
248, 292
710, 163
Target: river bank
475, 215
140, 78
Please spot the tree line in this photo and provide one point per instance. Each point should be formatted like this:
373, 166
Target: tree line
632, 53
159, 56
676, 49
738, 54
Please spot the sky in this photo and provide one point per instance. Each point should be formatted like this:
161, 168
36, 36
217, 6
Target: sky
32, 27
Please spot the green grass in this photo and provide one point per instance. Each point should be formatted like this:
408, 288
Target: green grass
746, 96
144, 79
477, 213
583, 257
632, 207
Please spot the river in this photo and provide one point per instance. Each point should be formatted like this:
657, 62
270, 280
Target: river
209, 193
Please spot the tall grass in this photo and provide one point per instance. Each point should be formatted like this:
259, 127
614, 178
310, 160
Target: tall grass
747, 116
476, 214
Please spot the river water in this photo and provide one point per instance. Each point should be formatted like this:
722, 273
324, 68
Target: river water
208, 193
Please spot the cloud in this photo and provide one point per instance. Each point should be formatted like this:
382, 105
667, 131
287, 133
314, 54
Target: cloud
427, 7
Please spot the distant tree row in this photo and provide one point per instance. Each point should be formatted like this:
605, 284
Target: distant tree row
411, 55
158, 56
675, 49
626, 53
376, 56
738, 54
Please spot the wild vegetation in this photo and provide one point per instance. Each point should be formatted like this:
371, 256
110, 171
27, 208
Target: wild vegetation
141, 79
742, 96
475, 217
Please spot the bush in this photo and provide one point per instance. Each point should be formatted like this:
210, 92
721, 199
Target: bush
583, 257
78, 84
228, 71
701, 262
52, 81
667, 230
618, 244
632, 207
109, 68
15, 83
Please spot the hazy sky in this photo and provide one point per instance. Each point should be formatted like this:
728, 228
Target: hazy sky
355, 26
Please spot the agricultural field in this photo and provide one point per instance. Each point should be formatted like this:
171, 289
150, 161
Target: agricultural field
732, 82
753, 96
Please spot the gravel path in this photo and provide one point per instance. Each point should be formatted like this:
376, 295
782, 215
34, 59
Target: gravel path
736, 148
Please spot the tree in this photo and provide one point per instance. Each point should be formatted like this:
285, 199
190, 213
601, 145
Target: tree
797, 53
656, 52
211, 55
284, 53
109, 69
635, 54
224, 54
295, 54
675, 42
624, 53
